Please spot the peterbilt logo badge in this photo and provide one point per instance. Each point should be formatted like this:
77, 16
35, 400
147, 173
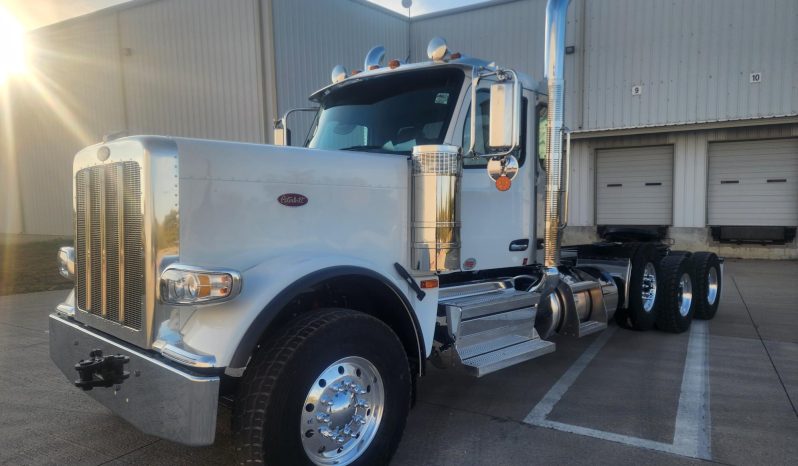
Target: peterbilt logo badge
103, 153
292, 200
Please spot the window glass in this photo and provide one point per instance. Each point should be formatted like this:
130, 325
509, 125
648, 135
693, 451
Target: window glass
483, 127
542, 132
389, 114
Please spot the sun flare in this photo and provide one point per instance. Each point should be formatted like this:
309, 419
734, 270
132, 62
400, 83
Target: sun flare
12, 46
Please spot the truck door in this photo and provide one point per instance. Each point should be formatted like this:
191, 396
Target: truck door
498, 227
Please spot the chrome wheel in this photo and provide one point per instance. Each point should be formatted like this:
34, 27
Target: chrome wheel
712, 286
342, 412
649, 288
685, 294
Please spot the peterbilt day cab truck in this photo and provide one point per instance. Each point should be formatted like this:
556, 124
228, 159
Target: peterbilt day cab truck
309, 286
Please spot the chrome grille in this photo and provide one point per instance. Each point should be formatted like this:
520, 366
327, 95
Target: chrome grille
108, 243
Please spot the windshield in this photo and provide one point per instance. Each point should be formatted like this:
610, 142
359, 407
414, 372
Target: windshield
388, 114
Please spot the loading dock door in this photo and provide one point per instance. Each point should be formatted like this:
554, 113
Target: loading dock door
753, 183
634, 186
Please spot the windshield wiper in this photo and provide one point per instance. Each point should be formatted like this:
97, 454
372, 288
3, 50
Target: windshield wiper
365, 148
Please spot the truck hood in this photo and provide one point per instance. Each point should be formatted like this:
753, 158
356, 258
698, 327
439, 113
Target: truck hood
241, 204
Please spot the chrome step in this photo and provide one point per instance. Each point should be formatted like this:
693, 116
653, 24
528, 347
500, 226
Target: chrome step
590, 327
474, 306
492, 326
489, 346
493, 361
474, 289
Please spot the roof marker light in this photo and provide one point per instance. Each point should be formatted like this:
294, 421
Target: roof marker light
393, 64
437, 49
374, 58
338, 74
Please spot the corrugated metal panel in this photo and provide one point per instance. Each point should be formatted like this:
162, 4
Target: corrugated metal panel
192, 68
311, 37
635, 186
511, 34
693, 59
10, 209
71, 99
753, 183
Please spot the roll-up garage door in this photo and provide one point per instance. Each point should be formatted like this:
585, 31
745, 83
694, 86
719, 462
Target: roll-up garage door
753, 183
634, 186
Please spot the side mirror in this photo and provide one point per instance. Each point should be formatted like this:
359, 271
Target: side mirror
502, 116
282, 135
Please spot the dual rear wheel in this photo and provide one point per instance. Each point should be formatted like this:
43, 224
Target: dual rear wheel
668, 292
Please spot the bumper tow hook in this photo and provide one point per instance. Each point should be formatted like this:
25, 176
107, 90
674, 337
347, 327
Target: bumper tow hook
101, 371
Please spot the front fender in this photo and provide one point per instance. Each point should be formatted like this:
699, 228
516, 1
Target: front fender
231, 330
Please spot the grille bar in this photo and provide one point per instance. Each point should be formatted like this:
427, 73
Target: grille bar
120, 221
109, 245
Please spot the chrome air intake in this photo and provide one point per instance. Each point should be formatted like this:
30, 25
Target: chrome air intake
435, 211
556, 11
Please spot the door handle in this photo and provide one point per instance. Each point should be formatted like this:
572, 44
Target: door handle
519, 245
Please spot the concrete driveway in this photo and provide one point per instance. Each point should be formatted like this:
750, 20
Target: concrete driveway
724, 392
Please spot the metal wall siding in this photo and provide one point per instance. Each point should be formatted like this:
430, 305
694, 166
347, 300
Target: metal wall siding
311, 37
690, 164
71, 99
10, 209
693, 59
194, 69
511, 34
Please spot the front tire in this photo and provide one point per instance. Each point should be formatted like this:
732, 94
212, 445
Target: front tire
333, 388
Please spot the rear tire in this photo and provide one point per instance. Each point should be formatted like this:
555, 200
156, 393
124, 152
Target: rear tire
333, 387
708, 283
640, 312
643, 302
677, 305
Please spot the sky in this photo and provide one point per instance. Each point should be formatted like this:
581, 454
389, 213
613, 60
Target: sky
420, 7
37, 13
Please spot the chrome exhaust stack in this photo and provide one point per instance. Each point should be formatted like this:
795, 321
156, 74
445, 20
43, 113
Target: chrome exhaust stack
556, 11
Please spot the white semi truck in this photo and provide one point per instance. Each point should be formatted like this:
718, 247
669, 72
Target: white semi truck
309, 286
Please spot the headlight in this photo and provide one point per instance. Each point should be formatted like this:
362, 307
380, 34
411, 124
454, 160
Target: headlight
66, 262
182, 284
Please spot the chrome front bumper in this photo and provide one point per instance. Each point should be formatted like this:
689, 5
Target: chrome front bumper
157, 399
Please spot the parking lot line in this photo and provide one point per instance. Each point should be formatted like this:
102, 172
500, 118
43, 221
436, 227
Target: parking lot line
692, 432
556, 392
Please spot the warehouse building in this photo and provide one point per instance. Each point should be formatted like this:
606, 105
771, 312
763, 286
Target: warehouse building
684, 114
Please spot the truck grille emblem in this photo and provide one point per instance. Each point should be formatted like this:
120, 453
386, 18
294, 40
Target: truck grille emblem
292, 200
